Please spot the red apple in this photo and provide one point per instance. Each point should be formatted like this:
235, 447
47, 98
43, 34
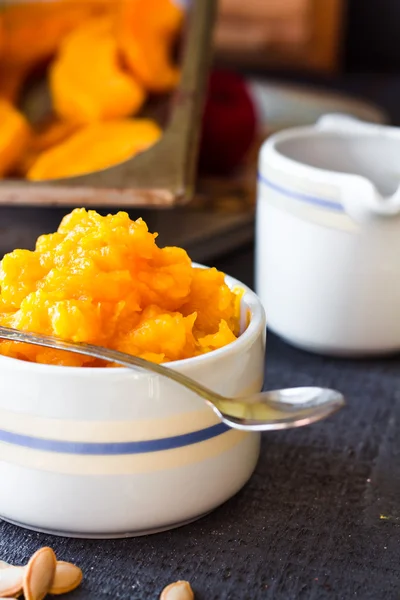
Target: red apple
229, 123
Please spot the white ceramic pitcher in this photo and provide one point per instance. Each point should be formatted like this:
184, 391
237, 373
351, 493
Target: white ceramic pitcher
328, 236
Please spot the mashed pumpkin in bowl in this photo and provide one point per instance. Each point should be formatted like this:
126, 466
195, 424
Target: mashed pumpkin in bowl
104, 280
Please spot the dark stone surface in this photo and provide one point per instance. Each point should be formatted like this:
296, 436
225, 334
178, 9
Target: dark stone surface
308, 524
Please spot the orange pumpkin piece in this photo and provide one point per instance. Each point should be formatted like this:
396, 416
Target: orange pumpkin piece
87, 82
31, 32
14, 136
95, 147
34, 30
104, 280
146, 32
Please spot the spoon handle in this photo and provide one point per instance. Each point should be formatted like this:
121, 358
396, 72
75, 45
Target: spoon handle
107, 354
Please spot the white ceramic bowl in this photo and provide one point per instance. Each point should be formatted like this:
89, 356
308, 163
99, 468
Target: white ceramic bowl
328, 244
114, 452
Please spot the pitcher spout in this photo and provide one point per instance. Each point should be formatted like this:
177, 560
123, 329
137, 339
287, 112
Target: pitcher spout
364, 203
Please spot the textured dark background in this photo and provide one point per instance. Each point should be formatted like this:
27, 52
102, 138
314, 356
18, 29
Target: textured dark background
308, 524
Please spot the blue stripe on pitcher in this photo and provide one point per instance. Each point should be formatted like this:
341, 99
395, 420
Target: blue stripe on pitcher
302, 197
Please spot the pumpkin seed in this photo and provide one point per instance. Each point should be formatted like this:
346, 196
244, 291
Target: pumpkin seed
180, 590
11, 581
67, 577
39, 574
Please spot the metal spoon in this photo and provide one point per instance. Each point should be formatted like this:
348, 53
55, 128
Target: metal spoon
265, 411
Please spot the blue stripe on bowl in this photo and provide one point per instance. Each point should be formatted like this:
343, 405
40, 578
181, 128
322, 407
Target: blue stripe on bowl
113, 448
320, 202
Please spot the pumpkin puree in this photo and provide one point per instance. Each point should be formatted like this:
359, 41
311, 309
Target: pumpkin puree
104, 280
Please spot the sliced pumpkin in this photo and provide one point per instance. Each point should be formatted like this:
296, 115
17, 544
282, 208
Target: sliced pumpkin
95, 147
146, 31
87, 82
34, 30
